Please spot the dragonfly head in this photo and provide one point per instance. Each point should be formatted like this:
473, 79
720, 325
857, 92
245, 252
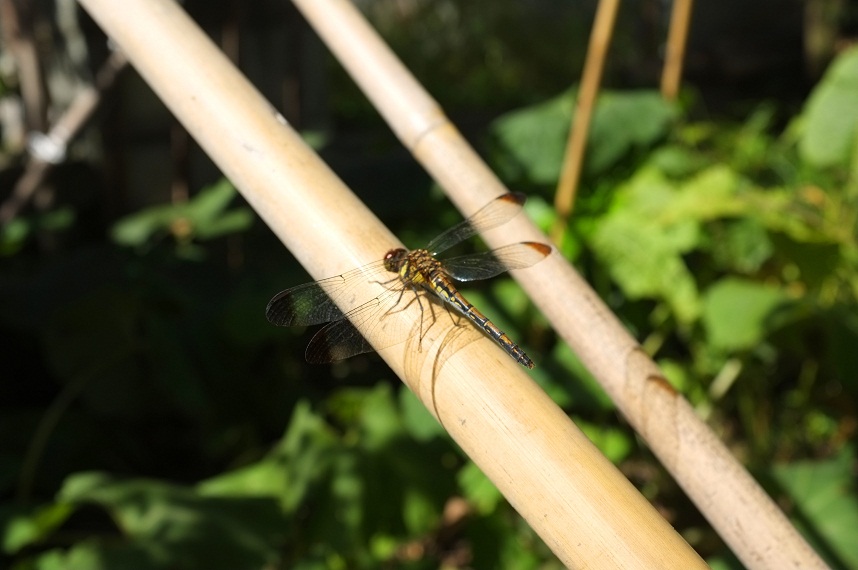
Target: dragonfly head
394, 259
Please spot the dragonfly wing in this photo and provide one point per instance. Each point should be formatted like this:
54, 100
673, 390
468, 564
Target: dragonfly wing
311, 303
487, 264
303, 305
336, 341
342, 339
499, 211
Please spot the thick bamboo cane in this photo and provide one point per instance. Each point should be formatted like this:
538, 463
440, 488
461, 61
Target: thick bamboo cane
738, 508
587, 513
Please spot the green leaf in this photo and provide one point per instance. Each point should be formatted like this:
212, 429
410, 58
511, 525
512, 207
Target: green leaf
674, 160
211, 201
653, 223
641, 243
231, 222
614, 443
56, 220
380, 418
94, 555
26, 526
710, 195
738, 314
824, 495
532, 141
744, 246
418, 510
302, 458
307, 450
624, 121
264, 478
13, 235
165, 522
136, 229
581, 391
478, 489
420, 424
205, 216
831, 115
373, 411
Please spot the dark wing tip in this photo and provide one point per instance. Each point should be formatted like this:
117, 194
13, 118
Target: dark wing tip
542, 248
515, 197
275, 310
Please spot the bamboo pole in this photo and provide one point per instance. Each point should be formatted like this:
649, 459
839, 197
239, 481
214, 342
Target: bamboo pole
583, 508
680, 22
734, 503
585, 102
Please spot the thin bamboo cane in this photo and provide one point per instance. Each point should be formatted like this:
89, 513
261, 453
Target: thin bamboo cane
680, 21
733, 502
591, 79
574, 498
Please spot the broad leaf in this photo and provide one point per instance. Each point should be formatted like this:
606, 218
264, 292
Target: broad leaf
738, 314
831, 115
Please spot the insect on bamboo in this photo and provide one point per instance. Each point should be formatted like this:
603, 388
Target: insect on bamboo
418, 272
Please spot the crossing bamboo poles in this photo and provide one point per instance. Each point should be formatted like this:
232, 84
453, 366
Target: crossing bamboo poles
581, 506
722, 489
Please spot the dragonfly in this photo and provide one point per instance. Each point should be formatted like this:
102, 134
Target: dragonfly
404, 272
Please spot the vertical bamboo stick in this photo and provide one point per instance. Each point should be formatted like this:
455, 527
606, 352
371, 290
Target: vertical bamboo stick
573, 160
680, 22
587, 513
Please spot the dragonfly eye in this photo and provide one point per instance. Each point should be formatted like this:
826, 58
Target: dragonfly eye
394, 254
393, 259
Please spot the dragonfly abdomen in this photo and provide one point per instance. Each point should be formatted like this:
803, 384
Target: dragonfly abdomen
447, 291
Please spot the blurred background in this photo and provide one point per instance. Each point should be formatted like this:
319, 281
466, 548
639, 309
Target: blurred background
150, 417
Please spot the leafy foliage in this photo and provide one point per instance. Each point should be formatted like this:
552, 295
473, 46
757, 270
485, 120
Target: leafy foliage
824, 494
734, 254
205, 216
832, 113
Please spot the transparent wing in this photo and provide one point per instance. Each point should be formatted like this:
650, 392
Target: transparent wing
342, 338
311, 304
490, 263
337, 341
499, 211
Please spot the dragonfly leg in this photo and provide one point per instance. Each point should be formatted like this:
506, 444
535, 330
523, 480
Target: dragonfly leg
385, 283
455, 316
422, 312
396, 308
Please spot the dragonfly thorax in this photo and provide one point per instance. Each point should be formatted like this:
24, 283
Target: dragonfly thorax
415, 267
